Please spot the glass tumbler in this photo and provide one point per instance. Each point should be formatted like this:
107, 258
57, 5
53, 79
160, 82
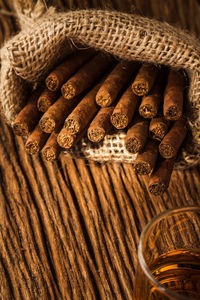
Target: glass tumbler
169, 257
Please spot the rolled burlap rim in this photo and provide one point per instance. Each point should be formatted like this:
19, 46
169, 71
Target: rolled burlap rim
28, 57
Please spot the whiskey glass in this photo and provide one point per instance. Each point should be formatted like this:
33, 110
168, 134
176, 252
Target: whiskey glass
169, 256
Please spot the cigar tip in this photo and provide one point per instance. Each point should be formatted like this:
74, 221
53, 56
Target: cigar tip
133, 145
20, 128
96, 135
49, 154
65, 140
142, 167
166, 150
103, 100
68, 91
140, 88
157, 133
52, 83
157, 188
43, 104
32, 147
172, 113
47, 124
119, 120
146, 111
72, 126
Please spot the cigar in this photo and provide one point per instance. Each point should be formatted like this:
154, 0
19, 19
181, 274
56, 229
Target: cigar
114, 83
28, 117
46, 99
158, 128
67, 140
173, 95
125, 109
55, 116
137, 135
171, 143
36, 140
146, 160
83, 112
150, 103
100, 125
145, 79
51, 149
86, 75
63, 71
160, 178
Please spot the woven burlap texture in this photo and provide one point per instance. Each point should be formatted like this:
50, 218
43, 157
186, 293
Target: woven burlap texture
29, 56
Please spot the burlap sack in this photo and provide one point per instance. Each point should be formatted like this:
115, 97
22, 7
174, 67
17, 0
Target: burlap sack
47, 36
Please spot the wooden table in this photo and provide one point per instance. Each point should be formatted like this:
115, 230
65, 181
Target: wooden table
70, 229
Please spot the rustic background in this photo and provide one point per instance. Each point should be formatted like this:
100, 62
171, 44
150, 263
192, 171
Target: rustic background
70, 229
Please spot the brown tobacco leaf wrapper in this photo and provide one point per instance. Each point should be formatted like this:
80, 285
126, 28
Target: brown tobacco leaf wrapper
36, 140
28, 117
114, 83
87, 75
100, 125
62, 72
125, 109
171, 143
83, 112
137, 135
145, 79
146, 160
67, 140
150, 103
173, 95
46, 99
160, 178
55, 116
158, 128
51, 149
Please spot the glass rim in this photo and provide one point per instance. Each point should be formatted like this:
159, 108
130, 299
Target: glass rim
142, 262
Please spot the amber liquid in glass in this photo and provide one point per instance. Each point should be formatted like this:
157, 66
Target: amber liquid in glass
177, 270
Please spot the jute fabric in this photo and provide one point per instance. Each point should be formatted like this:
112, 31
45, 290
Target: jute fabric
48, 36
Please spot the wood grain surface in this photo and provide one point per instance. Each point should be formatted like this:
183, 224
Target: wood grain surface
70, 229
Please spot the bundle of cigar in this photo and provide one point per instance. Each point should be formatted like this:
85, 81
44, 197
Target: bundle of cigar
91, 93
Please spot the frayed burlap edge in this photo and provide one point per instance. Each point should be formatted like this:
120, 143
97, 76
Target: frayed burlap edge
28, 57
